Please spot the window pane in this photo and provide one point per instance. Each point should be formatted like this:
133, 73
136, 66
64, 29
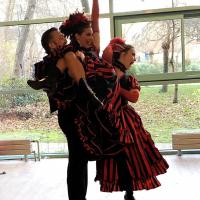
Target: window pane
17, 10
137, 5
125, 5
105, 36
187, 3
103, 6
31, 51
192, 44
161, 116
156, 51
14, 37
25, 114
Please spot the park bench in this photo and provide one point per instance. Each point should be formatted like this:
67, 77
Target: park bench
18, 147
186, 139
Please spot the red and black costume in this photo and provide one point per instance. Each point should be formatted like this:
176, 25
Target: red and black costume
136, 167
139, 162
89, 133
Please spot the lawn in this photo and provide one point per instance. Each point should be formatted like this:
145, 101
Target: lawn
160, 116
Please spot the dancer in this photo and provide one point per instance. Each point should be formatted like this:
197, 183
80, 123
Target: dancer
137, 166
76, 116
65, 92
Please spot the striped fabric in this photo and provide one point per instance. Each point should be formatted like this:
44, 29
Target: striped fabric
99, 134
140, 161
114, 136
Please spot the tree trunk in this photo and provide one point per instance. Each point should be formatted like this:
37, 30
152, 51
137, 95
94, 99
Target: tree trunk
19, 66
8, 17
175, 100
165, 47
85, 5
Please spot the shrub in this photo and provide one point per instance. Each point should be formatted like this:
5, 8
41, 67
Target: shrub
10, 98
145, 68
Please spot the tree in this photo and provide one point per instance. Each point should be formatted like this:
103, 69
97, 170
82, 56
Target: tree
9, 15
19, 65
85, 5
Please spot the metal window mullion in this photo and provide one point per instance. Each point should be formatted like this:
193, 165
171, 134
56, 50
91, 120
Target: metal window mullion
32, 21
111, 18
39, 21
183, 44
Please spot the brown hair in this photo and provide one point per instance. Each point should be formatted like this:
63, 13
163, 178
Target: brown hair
76, 24
124, 49
46, 38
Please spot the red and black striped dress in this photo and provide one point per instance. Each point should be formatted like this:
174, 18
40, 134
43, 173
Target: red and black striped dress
139, 163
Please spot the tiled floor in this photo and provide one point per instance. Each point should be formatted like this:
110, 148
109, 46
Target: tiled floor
46, 180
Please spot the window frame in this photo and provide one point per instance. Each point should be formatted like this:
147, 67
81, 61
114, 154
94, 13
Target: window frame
158, 15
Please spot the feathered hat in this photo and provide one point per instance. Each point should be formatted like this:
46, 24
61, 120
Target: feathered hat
115, 45
75, 20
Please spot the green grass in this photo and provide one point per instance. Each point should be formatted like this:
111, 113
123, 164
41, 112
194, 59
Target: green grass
41, 135
159, 115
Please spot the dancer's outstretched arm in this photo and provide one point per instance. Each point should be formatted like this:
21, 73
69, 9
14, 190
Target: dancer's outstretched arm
95, 24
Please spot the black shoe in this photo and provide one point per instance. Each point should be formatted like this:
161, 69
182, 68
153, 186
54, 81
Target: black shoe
129, 197
38, 84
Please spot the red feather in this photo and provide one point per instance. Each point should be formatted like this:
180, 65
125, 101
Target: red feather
77, 18
117, 40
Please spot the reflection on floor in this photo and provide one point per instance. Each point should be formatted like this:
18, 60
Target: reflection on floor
46, 180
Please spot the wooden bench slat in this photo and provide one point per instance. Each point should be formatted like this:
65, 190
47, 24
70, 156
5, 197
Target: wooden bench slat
15, 152
7, 142
15, 147
186, 141
186, 146
186, 136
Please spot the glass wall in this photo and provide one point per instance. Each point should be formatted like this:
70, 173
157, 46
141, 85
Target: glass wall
167, 51
25, 113
192, 44
154, 45
164, 45
161, 115
17, 10
103, 5
138, 5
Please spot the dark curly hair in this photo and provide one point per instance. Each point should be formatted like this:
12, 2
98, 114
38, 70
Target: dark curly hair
76, 23
46, 38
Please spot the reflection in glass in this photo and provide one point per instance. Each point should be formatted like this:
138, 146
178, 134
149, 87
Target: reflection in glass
28, 38
26, 115
16, 10
138, 5
103, 5
192, 44
104, 24
157, 45
161, 116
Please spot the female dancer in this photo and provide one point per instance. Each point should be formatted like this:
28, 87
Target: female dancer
137, 166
